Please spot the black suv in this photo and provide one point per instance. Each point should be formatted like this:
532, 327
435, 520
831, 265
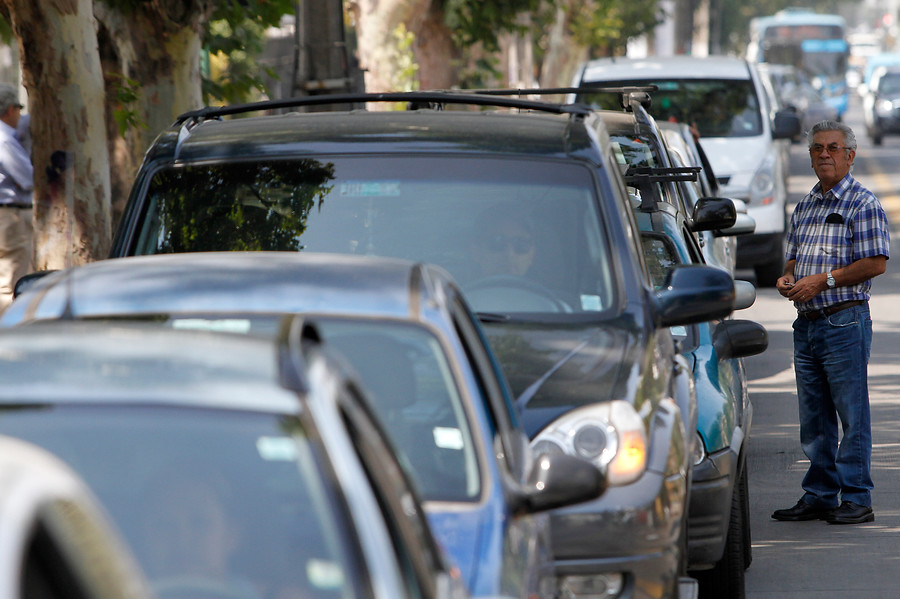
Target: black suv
523, 202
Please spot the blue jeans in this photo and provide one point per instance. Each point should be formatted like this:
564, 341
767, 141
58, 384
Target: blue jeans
831, 358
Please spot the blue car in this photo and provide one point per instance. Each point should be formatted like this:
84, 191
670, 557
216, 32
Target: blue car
420, 353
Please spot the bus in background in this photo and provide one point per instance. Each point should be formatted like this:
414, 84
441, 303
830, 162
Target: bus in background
813, 42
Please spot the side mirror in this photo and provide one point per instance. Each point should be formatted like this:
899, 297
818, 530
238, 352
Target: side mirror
694, 293
744, 224
744, 294
710, 214
786, 125
558, 480
739, 339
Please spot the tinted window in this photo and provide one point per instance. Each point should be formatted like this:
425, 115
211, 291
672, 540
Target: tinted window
233, 503
521, 236
719, 107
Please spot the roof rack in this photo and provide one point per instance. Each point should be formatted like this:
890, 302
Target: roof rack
645, 174
636, 174
433, 99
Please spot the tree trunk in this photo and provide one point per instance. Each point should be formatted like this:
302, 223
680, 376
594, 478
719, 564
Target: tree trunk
433, 48
563, 53
158, 46
435, 53
61, 72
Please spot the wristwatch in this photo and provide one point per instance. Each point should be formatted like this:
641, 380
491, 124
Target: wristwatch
829, 280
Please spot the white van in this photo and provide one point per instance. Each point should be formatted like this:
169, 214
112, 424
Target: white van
742, 133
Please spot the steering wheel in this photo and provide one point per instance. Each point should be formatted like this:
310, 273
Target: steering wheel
201, 587
510, 293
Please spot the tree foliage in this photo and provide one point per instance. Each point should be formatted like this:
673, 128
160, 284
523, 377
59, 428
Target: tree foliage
236, 33
606, 26
479, 21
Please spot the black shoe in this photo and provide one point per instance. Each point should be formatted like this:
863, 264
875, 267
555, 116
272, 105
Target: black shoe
851, 513
803, 511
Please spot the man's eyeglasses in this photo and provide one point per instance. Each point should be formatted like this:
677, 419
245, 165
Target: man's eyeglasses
817, 149
500, 243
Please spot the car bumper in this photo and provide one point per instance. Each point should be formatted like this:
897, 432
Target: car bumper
712, 485
633, 530
759, 249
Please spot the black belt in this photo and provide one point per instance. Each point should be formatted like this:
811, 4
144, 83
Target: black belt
829, 310
22, 205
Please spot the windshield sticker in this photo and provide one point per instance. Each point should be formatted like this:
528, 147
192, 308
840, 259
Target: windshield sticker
276, 449
447, 438
324, 574
591, 303
369, 189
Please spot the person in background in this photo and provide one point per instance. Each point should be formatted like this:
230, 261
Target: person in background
16, 190
838, 242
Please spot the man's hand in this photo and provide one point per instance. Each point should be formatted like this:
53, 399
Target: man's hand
785, 284
807, 288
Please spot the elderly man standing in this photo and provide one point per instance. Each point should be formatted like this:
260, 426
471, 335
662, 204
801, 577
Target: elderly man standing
16, 187
838, 242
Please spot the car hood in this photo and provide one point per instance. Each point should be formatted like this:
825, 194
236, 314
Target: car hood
730, 157
553, 369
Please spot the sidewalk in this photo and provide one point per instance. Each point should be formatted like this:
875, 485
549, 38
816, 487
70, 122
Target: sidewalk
815, 559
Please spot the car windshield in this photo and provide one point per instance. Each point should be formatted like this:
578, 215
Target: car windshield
213, 503
406, 377
410, 383
521, 236
719, 107
889, 84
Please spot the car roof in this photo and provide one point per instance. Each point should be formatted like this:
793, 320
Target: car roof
362, 131
102, 362
234, 282
669, 67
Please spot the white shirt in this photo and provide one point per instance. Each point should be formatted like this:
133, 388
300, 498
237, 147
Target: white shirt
16, 171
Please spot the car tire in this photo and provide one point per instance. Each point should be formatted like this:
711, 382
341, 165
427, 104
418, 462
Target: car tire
726, 578
744, 490
877, 139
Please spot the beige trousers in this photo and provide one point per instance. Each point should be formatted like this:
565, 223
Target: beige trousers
16, 249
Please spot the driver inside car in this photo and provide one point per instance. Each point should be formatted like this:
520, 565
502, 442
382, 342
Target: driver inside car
504, 242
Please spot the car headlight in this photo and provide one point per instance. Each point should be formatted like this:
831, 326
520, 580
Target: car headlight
762, 186
884, 106
698, 450
610, 435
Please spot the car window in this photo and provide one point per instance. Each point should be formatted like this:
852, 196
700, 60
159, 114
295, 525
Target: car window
520, 236
228, 503
889, 84
719, 107
662, 256
409, 380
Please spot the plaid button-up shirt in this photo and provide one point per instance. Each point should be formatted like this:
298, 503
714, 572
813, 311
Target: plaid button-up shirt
834, 230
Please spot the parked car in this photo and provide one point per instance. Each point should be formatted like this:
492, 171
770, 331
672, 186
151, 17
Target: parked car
743, 136
881, 104
718, 528
418, 349
523, 204
56, 540
719, 246
796, 92
233, 465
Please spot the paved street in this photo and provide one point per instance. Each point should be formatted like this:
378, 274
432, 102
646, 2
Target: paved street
815, 559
